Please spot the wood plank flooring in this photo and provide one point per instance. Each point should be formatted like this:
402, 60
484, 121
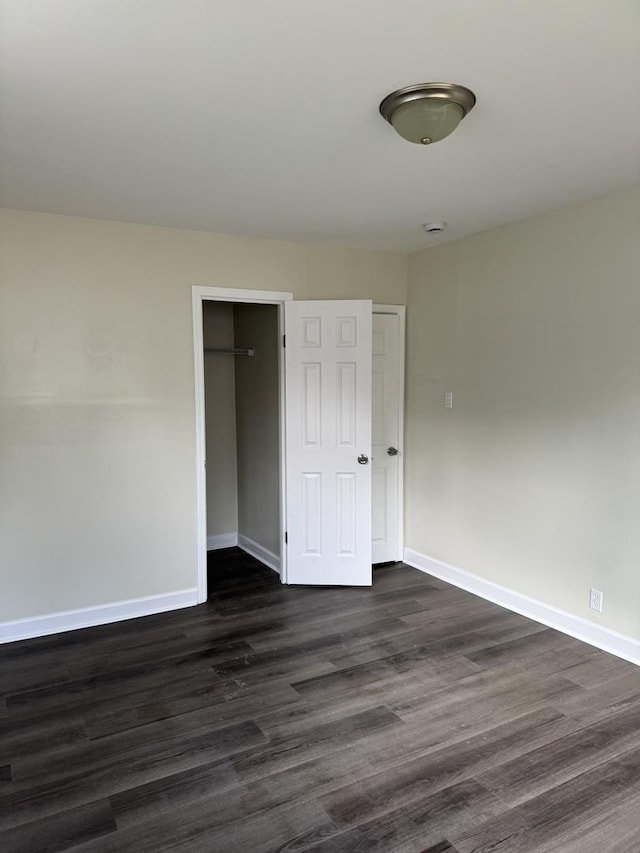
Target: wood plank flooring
408, 717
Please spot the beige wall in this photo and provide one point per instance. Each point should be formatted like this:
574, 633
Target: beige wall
258, 419
220, 406
97, 449
533, 479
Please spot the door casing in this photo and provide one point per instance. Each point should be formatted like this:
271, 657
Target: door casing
199, 295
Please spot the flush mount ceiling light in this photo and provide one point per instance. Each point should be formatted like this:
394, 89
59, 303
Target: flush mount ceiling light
427, 112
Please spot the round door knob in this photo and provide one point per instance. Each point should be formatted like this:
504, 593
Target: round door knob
363, 459
392, 451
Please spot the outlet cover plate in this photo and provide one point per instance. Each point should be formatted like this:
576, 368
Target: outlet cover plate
595, 600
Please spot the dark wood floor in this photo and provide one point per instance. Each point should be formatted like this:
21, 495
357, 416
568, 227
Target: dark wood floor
407, 717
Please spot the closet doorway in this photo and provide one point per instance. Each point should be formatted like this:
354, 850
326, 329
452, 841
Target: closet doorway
241, 368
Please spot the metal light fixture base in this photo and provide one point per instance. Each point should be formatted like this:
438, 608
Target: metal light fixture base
443, 91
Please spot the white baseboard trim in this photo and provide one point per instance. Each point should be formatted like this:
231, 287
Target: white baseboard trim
88, 617
222, 540
267, 557
575, 626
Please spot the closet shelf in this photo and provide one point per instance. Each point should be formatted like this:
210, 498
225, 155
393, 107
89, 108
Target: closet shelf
250, 351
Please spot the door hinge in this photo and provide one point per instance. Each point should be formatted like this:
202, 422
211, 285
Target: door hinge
284, 340
286, 538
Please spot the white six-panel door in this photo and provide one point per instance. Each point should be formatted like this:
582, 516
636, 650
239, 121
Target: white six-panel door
387, 438
327, 430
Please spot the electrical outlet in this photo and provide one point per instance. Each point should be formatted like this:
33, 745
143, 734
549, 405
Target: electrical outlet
448, 399
595, 600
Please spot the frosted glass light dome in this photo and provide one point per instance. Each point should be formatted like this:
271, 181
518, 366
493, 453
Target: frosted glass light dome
428, 112
427, 121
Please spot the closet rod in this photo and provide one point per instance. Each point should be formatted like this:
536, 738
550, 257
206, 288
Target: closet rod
233, 350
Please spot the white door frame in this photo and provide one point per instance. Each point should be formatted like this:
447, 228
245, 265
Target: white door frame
199, 295
401, 312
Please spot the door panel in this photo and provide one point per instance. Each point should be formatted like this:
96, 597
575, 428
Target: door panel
386, 434
328, 426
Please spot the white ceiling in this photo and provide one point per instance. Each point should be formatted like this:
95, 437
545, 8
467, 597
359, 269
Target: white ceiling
260, 117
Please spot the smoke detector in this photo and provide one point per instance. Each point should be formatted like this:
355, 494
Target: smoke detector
434, 227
